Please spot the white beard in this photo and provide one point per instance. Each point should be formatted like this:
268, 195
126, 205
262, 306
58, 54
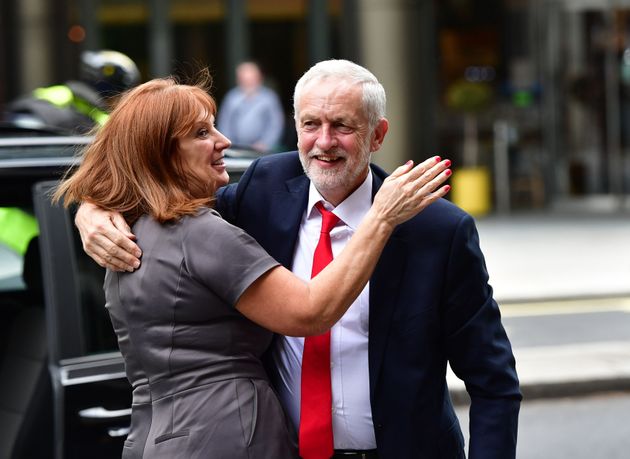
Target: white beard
326, 180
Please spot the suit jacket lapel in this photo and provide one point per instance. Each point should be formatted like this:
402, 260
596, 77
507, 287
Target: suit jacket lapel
384, 291
287, 208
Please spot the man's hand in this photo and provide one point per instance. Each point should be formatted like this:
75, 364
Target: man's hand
107, 238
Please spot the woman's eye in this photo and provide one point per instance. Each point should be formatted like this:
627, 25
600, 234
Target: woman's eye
203, 132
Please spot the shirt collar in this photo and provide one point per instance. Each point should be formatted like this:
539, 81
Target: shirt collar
351, 210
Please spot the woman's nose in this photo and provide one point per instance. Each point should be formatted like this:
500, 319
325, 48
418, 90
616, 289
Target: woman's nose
222, 141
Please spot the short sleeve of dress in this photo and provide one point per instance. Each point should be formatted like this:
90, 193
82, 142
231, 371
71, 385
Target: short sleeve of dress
221, 256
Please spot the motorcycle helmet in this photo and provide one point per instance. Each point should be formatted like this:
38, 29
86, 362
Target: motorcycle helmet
109, 72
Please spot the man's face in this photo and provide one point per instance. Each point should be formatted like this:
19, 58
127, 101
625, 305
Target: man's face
334, 138
248, 76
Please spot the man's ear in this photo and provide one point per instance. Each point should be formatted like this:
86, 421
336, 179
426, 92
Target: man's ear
378, 135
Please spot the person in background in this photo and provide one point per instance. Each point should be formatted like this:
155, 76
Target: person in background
251, 114
194, 320
428, 303
75, 107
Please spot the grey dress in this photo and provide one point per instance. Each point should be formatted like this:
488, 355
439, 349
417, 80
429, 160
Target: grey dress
200, 389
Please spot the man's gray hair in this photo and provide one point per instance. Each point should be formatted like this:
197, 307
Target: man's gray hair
374, 99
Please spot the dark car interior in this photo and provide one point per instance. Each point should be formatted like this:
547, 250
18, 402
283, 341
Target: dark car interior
26, 409
25, 385
27, 398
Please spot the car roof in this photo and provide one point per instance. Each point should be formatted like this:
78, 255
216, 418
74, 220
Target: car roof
23, 151
20, 152
26, 159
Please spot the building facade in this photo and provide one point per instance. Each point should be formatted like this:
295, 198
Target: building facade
534, 93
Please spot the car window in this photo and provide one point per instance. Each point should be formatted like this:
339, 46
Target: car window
18, 226
11, 265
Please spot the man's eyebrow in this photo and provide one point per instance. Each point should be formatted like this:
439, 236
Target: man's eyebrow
344, 119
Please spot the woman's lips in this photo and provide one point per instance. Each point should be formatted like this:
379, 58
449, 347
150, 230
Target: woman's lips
218, 163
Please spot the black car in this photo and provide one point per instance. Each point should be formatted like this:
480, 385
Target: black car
63, 390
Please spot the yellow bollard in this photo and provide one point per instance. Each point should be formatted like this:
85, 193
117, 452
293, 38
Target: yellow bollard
471, 190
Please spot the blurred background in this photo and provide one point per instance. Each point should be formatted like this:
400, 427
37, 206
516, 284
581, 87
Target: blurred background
529, 98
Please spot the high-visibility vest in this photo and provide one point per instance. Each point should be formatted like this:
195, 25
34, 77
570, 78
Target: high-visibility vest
17, 228
62, 96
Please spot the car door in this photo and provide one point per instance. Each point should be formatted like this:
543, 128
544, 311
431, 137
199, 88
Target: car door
91, 395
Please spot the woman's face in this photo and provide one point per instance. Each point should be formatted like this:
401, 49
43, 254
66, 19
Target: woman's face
202, 151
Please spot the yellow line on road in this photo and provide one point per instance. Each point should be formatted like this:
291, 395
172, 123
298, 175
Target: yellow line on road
581, 306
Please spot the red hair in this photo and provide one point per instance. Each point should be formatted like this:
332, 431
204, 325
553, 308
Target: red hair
133, 167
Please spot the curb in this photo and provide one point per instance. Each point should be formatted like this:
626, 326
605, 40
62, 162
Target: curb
535, 391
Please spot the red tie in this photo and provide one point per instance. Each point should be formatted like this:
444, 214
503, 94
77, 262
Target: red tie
316, 435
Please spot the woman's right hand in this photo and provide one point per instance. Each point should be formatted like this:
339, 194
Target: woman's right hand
107, 238
287, 305
407, 191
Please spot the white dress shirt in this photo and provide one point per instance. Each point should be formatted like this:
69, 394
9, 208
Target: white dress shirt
351, 411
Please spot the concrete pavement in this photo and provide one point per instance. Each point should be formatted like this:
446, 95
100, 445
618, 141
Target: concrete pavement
549, 256
546, 265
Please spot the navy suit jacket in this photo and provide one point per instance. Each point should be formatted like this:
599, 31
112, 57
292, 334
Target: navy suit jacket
430, 303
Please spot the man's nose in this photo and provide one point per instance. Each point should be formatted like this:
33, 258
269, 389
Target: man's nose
326, 138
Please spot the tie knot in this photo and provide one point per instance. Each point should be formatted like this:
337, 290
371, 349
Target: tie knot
329, 220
